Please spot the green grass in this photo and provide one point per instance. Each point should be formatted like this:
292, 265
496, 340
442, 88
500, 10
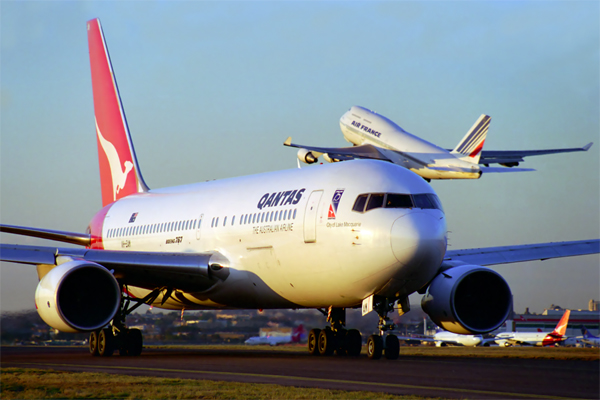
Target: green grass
20, 383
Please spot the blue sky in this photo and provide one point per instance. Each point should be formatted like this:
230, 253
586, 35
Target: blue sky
212, 89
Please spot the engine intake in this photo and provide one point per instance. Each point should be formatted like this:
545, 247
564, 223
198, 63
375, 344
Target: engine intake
78, 296
469, 299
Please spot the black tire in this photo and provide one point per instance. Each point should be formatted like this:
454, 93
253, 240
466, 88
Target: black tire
326, 342
313, 341
106, 345
374, 347
353, 342
135, 342
94, 343
392, 347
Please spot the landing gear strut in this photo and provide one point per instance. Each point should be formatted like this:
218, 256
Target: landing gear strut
383, 343
129, 342
335, 338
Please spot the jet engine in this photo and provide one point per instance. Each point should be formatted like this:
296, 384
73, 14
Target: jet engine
307, 156
468, 299
329, 159
78, 296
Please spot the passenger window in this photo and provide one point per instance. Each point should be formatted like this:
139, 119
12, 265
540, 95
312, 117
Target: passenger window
398, 201
375, 201
422, 201
359, 204
225, 221
233, 220
294, 217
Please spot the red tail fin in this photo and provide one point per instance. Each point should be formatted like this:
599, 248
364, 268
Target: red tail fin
561, 327
119, 171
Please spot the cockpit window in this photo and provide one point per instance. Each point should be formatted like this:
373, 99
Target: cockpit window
396, 200
359, 204
422, 201
375, 201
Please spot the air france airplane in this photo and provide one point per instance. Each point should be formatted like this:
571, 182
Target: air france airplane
377, 137
332, 237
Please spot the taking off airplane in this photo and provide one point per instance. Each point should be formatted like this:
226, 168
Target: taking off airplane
333, 237
379, 138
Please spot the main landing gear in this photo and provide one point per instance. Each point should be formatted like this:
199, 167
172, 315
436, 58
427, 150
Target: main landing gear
335, 339
386, 344
129, 342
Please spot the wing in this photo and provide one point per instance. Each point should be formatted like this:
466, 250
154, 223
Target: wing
527, 252
344, 153
514, 157
185, 271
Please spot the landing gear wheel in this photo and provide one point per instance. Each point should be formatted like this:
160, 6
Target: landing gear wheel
392, 347
131, 343
313, 341
326, 342
341, 344
106, 345
353, 342
374, 347
94, 343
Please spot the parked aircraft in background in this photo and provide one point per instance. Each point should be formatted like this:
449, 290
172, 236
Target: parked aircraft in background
377, 137
588, 338
536, 338
298, 335
445, 338
330, 238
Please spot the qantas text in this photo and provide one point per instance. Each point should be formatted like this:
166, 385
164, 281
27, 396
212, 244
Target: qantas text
280, 199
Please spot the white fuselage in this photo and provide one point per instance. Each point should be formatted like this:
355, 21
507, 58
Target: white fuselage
526, 338
450, 338
291, 238
362, 126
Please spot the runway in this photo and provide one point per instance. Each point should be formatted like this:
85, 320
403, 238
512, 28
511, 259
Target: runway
447, 377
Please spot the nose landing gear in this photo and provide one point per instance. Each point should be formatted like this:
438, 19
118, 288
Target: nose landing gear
383, 343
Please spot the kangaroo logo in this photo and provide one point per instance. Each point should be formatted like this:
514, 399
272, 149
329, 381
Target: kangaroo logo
119, 176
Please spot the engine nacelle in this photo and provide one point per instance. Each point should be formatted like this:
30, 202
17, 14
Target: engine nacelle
78, 296
329, 159
468, 299
307, 156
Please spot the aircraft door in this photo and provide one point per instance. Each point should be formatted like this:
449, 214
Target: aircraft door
310, 216
199, 226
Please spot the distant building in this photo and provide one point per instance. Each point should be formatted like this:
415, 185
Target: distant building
547, 321
593, 305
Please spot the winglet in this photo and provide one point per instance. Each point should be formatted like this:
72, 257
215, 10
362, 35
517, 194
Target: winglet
587, 146
120, 174
288, 141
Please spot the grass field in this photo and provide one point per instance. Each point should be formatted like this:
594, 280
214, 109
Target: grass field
20, 383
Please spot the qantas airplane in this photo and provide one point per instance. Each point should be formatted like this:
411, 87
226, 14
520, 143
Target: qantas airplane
376, 137
331, 237
536, 338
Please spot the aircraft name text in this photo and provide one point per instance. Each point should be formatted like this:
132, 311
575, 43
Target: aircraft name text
366, 129
280, 198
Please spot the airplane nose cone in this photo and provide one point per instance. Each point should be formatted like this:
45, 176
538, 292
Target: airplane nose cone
419, 240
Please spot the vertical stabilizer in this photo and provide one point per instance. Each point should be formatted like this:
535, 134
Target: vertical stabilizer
561, 327
119, 171
469, 148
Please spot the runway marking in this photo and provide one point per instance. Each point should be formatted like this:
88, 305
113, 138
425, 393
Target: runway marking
301, 378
